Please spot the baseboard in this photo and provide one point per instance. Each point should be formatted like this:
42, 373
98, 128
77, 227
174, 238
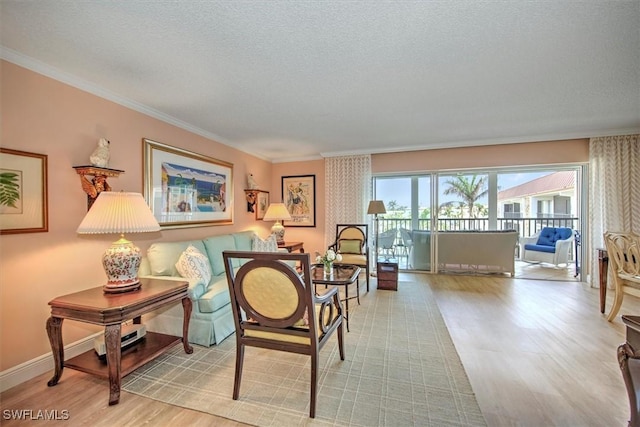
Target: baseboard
42, 364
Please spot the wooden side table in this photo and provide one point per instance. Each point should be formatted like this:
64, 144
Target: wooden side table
110, 310
292, 246
388, 274
343, 275
629, 360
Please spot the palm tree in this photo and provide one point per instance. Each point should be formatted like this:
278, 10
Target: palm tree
469, 188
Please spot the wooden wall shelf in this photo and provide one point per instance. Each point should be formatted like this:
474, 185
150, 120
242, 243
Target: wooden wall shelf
252, 198
98, 183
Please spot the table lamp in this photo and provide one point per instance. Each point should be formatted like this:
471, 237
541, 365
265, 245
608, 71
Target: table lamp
277, 212
119, 213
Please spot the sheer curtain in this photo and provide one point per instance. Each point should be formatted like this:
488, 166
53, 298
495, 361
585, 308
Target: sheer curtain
614, 190
347, 192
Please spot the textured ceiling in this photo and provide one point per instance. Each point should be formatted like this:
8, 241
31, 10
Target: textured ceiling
289, 80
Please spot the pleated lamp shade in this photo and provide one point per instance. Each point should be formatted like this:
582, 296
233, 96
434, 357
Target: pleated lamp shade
277, 212
120, 213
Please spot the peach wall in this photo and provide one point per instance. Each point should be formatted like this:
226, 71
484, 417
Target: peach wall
44, 116
523, 154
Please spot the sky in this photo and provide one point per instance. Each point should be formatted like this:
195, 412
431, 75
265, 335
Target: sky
399, 188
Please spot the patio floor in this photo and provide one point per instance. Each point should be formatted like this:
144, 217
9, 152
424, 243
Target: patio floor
527, 270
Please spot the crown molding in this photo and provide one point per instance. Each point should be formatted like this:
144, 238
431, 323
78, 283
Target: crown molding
47, 70
74, 81
496, 141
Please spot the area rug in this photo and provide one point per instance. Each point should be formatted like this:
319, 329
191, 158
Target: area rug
401, 369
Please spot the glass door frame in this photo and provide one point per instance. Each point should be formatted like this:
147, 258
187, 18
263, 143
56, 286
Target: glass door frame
581, 192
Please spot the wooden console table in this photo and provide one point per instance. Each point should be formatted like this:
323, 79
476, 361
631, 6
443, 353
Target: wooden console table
292, 246
110, 311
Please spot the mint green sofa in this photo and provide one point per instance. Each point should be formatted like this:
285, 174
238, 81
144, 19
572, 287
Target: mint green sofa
211, 317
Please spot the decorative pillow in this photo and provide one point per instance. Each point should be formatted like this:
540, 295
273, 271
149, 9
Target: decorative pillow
350, 246
270, 244
193, 264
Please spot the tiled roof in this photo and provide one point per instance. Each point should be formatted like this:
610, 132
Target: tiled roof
553, 182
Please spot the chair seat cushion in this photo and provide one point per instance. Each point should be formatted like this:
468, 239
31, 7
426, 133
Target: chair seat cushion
540, 248
360, 260
289, 338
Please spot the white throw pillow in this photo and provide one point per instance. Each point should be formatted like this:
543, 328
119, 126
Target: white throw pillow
270, 244
193, 264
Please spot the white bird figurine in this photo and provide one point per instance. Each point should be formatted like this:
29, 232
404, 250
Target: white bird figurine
100, 156
253, 185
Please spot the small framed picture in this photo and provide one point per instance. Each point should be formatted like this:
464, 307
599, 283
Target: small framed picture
262, 203
299, 196
23, 192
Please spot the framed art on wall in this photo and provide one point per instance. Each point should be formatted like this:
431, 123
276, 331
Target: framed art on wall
299, 196
23, 192
185, 189
262, 203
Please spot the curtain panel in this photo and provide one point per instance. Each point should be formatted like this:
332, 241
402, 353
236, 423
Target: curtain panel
347, 192
614, 190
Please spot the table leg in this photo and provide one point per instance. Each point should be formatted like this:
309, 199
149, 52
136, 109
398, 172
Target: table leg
187, 306
114, 356
346, 304
54, 330
358, 290
603, 268
625, 354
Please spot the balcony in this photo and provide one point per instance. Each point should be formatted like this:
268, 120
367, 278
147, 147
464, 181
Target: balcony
524, 226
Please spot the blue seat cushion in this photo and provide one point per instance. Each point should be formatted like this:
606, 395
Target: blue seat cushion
540, 248
550, 235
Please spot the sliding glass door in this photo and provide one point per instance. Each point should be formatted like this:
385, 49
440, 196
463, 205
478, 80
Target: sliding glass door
408, 203
522, 199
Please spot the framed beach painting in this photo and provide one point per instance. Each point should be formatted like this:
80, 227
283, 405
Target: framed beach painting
23, 192
299, 196
185, 189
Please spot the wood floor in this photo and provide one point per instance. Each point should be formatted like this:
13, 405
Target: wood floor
538, 353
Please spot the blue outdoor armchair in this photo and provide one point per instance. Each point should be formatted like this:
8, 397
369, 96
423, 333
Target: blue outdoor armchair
550, 245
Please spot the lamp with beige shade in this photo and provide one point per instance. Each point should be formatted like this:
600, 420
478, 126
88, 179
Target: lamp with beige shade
119, 213
277, 212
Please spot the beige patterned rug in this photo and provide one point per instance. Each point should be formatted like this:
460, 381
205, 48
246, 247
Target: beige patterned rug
401, 369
